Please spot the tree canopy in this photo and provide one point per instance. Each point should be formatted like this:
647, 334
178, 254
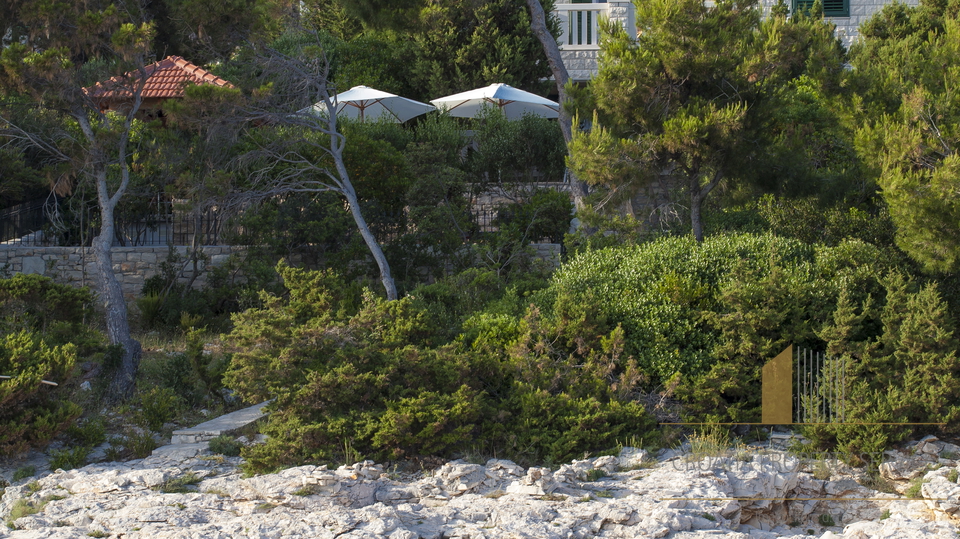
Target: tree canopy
908, 77
690, 99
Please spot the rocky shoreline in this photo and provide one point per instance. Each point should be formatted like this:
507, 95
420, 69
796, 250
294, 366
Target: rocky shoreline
751, 492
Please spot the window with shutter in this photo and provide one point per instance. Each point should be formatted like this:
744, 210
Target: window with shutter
831, 8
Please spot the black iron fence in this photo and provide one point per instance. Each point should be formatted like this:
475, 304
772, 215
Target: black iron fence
31, 225
20, 222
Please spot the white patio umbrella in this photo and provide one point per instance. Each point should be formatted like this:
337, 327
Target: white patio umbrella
513, 102
370, 104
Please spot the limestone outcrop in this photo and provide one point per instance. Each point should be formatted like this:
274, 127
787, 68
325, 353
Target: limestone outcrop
755, 493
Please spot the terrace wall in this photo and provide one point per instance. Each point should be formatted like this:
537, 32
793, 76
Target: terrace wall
74, 265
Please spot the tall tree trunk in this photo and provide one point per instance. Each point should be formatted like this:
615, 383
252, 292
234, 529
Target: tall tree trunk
698, 193
696, 204
538, 23
372, 244
115, 308
346, 188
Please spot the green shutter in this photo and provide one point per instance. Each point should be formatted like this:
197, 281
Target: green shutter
831, 8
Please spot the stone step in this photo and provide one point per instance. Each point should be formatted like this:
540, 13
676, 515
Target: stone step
224, 424
180, 451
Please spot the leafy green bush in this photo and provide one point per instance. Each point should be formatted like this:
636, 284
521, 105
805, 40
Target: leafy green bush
24, 472
902, 366
139, 443
34, 303
158, 405
68, 459
528, 149
706, 317
544, 215
225, 445
386, 384
180, 485
32, 413
90, 432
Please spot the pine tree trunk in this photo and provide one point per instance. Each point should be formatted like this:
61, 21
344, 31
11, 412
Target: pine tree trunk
372, 244
698, 193
696, 204
115, 309
351, 195
538, 23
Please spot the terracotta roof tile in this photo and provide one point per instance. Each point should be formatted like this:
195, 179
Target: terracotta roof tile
165, 79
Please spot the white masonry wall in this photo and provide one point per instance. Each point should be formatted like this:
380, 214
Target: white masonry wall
581, 62
848, 28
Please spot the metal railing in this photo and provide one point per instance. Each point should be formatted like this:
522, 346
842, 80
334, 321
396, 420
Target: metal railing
821, 388
28, 225
22, 220
578, 25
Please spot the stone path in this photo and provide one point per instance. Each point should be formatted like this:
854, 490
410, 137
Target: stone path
187, 443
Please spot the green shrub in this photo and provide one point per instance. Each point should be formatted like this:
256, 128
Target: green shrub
915, 489
34, 303
383, 383
68, 459
826, 520
137, 443
516, 151
179, 485
661, 291
596, 474
158, 405
22, 508
226, 446
901, 355
90, 432
32, 413
543, 215
24, 472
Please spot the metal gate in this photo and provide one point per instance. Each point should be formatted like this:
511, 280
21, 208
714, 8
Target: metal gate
821, 388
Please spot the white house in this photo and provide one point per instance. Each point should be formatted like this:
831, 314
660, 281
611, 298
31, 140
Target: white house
579, 32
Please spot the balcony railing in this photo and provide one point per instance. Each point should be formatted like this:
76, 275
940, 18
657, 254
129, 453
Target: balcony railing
578, 25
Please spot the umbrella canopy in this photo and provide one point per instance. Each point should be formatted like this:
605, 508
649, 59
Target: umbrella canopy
370, 104
513, 102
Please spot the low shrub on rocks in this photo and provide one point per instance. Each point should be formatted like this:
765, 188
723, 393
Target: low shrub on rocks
226, 446
383, 383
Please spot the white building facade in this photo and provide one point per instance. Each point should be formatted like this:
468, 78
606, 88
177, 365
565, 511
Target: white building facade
579, 31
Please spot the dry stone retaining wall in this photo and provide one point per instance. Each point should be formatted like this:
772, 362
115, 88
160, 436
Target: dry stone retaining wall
75, 265
134, 265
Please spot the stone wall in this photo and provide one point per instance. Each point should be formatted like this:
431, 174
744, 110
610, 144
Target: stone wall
549, 252
74, 265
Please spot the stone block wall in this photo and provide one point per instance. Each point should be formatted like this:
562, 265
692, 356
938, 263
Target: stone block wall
74, 265
549, 252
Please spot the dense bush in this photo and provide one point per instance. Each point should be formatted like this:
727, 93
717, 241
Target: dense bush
43, 332
710, 315
32, 413
386, 383
900, 352
35, 303
520, 150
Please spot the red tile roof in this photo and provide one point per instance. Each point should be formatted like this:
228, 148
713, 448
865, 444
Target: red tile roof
165, 79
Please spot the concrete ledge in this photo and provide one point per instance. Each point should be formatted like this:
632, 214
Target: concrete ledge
222, 425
